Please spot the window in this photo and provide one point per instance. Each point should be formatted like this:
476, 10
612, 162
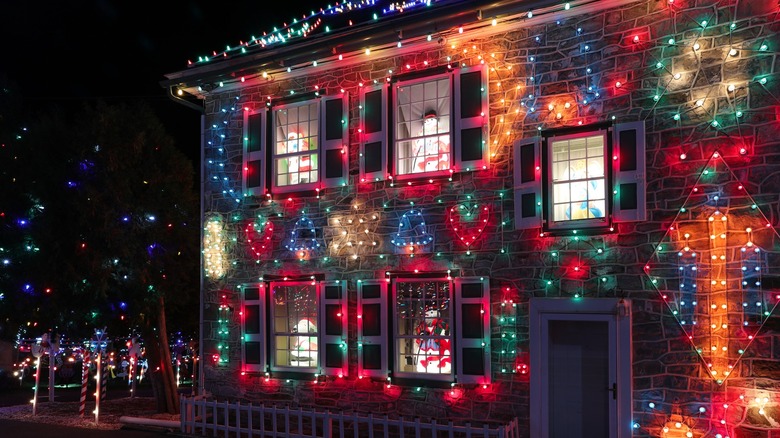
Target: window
295, 320
439, 329
296, 144
308, 149
423, 339
585, 178
307, 329
422, 126
439, 125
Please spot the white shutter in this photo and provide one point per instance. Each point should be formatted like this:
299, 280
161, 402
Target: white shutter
334, 117
254, 158
333, 327
472, 334
629, 185
372, 329
471, 118
528, 183
373, 135
253, 328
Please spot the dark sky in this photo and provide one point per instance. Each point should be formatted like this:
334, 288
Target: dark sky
64, 52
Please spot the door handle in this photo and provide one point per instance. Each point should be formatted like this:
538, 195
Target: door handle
613, 390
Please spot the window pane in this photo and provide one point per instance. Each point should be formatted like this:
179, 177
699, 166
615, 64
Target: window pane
596, 209
423, 127
296, 134
295, 325
561, 192
423, 335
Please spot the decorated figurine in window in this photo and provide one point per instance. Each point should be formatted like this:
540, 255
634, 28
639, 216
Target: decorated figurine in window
579, 190
433, 350
432, 152
297, 143
304, 348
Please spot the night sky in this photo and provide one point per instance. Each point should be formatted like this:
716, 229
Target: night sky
66, 52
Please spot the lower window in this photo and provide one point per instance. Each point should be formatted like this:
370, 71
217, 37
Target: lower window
423, 339
294, 313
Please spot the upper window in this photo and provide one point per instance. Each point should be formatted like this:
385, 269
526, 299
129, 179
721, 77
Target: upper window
308, 146
422, 126
436, 125
296, 144
580, 179
577, 177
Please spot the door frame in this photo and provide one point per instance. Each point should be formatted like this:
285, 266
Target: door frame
620, 308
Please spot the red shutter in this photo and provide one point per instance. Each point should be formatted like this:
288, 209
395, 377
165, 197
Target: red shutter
372, 329
253, 329
472, 334
333, 323
471, 118
373, 135
254, 159
334, 153
528, 183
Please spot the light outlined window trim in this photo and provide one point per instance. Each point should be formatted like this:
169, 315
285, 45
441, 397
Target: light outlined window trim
325, 323
320, 158
458, 144
467, 336
624, 177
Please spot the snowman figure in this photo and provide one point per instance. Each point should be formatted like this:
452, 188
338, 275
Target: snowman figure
434, 350
304, 348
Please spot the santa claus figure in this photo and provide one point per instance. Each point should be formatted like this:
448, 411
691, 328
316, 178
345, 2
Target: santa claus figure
432, 152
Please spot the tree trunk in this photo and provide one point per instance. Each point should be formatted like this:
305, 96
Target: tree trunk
160, 367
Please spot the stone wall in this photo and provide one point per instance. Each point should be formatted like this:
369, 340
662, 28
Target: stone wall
579, 61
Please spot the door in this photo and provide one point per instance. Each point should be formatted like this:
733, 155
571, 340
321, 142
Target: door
580, 368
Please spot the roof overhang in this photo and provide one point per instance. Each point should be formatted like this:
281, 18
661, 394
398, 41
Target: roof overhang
424, 29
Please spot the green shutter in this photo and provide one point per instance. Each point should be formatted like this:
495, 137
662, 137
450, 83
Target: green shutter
334, 153
253, 163
472, 334
333, 327
628, 183
471, 118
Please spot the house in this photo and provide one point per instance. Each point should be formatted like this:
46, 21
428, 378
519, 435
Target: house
561, 212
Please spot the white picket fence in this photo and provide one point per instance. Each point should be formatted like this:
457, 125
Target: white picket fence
210, 417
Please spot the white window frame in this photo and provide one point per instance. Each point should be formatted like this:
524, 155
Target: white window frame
550, 183
318, 151
272, 334
451, 127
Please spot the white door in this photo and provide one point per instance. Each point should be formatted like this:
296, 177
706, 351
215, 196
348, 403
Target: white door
580, 368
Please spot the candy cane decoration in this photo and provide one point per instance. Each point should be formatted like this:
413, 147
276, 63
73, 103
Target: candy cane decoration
104, 380
84, 383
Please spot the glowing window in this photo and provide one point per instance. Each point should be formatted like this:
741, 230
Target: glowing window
422, 126
578, 184
294, 313
423, 337
296, 144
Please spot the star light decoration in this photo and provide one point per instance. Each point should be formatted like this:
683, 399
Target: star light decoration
716, 268
355, 233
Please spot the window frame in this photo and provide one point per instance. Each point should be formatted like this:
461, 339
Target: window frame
394, 337
272, 333
318, 151
549, 183
393, 144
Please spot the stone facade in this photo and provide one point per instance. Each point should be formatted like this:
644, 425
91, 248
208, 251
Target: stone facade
576, 60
